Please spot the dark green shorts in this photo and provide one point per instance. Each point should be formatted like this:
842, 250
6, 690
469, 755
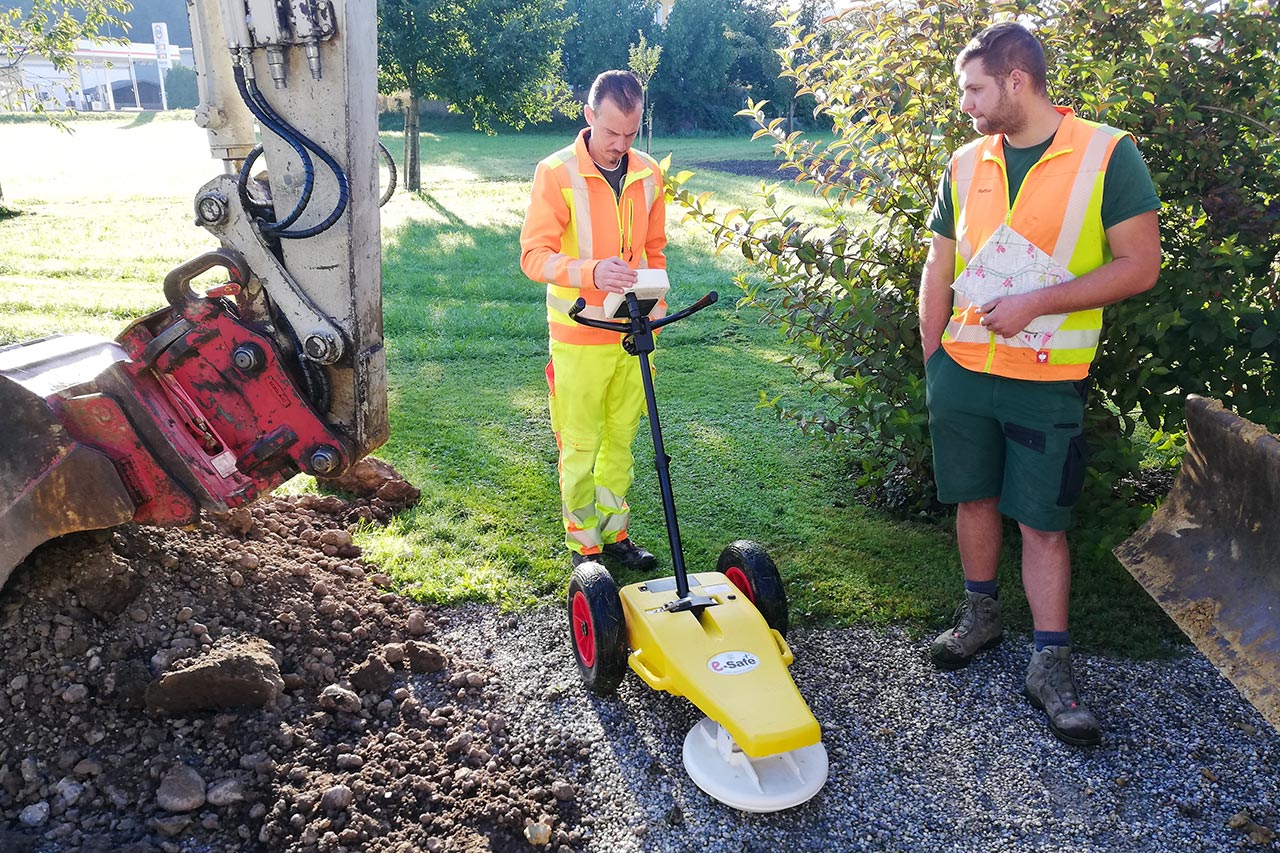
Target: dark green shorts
1015, 439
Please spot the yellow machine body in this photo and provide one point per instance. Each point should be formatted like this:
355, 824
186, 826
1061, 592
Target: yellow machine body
725, 659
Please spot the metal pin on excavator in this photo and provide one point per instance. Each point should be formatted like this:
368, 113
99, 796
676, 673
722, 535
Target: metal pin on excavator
713, 637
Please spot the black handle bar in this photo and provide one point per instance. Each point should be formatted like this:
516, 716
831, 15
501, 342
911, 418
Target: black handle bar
625, 327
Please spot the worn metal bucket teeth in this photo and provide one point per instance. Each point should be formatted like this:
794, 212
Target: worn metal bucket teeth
1211, 554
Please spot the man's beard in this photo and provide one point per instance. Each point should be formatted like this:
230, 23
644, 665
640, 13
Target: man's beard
1007, 118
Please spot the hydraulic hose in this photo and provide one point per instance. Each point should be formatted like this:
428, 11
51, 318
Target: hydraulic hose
273, 122
258, 100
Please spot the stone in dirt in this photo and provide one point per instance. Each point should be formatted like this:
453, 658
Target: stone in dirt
372, 676
372, 477
181, 790
237, 672
105, 584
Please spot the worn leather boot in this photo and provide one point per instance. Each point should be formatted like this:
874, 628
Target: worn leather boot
1051, 688
976, 627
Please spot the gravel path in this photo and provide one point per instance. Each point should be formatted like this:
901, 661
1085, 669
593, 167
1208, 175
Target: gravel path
920, 760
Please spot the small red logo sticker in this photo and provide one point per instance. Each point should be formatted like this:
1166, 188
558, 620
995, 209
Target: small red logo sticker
1042, 356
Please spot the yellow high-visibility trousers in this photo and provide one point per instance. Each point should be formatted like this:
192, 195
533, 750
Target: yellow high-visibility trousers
596, 397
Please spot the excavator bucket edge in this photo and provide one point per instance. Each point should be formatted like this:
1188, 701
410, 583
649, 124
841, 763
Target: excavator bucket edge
1210, 556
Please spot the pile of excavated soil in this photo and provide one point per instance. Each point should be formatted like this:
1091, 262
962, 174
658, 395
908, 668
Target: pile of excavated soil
253, 685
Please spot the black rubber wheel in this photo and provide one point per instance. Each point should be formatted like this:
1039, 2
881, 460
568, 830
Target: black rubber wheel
597, 628
751, 570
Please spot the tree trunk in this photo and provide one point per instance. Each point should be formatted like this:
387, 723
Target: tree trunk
791, 116
412, 174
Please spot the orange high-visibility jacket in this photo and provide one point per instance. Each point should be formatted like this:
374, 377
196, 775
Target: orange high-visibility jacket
1058, 209
575, 220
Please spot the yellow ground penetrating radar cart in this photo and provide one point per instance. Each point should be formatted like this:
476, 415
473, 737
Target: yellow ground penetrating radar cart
715, 638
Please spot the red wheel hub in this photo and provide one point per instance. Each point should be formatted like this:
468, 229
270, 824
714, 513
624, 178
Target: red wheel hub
738, 578
584, 632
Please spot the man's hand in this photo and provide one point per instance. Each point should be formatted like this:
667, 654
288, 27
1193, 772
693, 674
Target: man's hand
1008, 315
613, 275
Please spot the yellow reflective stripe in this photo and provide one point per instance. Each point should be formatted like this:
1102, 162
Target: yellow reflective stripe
559, 305
1082, 356
1081, 339
963, 168
1083, 191
549, 268
580, 208
582, 517
606, 499
968, 333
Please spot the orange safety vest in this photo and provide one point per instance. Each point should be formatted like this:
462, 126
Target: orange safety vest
1058, 209
575, 220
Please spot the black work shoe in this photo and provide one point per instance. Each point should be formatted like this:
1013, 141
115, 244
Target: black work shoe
632, 557
577, 559
977, 628
1052, 688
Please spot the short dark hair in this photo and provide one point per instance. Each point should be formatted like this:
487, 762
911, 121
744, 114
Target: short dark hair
1003, 47
621, 87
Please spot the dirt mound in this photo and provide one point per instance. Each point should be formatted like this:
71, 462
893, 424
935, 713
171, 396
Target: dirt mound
255, 685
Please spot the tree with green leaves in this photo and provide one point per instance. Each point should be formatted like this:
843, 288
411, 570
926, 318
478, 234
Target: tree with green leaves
1194, 81
48, 29
496, 60
693, 89
599, 35
643, 60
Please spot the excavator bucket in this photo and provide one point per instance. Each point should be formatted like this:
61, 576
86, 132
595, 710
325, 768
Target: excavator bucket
1211, 554
50, 483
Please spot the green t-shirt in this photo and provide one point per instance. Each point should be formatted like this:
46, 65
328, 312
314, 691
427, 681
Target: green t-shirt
1127, 189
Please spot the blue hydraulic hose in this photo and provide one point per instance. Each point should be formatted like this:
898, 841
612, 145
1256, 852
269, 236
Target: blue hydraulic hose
343, 186
274, 123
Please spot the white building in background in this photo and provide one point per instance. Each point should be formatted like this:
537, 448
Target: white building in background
106, 77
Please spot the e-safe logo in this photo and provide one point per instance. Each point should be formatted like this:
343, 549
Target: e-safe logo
733, 663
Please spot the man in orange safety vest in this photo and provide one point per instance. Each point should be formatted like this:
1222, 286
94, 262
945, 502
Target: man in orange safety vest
1038, 224
596, 215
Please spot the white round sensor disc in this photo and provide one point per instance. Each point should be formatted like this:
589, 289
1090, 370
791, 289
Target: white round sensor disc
773, 783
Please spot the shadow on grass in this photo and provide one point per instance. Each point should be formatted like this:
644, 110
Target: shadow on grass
434, 203
7, 212
143, 118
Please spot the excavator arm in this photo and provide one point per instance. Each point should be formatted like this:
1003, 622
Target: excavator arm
276, 364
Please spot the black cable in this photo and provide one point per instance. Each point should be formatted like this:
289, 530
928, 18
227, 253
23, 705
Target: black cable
274, 123
343, 187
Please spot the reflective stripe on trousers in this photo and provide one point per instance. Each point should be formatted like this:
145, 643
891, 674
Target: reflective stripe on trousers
596, 399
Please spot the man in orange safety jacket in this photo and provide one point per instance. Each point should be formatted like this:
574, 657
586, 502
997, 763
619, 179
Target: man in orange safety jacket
596, 216
1038, 224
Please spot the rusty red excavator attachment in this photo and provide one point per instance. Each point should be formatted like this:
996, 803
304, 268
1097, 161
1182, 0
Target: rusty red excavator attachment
1211, 554
190, 408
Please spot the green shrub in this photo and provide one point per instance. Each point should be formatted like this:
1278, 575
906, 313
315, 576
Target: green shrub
1197, 89
180, 88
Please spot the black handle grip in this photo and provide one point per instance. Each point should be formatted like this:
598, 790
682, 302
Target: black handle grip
710, 299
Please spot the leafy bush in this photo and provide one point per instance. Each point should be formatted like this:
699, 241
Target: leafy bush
1195, 87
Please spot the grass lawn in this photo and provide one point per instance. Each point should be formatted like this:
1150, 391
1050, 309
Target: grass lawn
106, 213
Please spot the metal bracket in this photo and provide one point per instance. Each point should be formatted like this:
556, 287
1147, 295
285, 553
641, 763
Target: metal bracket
322, 340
